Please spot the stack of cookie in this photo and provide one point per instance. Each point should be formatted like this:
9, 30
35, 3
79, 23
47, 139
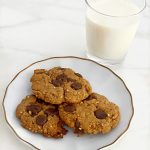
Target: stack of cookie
63, 97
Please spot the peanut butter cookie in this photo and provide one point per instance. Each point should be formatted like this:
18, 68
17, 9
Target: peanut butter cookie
59, 85
93, 115
40, 117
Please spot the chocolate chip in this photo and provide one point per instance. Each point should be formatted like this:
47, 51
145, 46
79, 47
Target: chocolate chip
51, 111
90, 97
61, 133
64, 131
77, 129
62, 77
59, 81
41, 101
77, 124
100, 114
69, 108
76, 86
41, 120
33, 109
78, 74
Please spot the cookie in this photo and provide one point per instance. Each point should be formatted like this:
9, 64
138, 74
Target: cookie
60, 85
40, 117
92, 116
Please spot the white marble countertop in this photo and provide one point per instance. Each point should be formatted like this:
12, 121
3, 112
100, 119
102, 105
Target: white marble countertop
31, 30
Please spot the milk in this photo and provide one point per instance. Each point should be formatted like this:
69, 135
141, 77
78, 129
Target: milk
108, 37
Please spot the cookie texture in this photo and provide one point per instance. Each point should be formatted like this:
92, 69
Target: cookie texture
93, 115
40, 117
59, 85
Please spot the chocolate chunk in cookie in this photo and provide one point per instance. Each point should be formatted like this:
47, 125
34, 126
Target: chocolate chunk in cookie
76, 86
59, 81
100, 114
41, 120
78, 130
33, 109
51, 111
69, 108
91, 96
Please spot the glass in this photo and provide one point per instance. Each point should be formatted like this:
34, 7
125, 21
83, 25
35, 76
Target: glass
110, 28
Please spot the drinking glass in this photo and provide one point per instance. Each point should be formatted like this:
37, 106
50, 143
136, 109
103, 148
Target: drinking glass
108, 36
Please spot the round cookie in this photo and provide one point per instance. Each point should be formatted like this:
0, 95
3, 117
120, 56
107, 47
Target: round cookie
93, 115
40, 117
60, 85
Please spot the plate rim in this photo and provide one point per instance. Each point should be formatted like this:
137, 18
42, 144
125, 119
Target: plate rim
58, 57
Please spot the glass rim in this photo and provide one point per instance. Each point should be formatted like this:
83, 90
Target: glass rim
134, 14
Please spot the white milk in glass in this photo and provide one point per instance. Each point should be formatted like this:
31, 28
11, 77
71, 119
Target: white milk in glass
111, 28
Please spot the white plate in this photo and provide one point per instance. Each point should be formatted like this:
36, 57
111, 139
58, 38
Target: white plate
103, 81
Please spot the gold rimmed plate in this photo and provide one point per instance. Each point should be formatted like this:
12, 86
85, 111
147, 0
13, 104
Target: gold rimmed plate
102, 79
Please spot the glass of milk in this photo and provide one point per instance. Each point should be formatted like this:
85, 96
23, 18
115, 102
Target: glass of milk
110, 28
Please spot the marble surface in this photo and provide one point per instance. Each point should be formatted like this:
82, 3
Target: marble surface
31, 30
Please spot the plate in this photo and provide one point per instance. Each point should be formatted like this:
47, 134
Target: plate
102, 79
